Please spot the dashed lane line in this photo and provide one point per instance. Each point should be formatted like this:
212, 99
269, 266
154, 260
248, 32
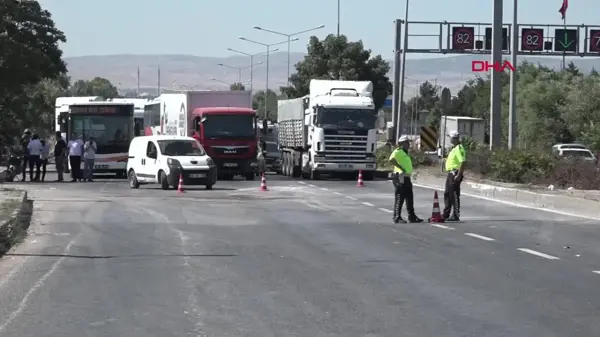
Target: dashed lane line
337, 193
351, 198
596, 272
324, 189
368, 204
536, 253
442, 226
385, 210
480, 237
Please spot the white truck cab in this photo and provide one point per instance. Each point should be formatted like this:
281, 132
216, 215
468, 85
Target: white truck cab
164, 159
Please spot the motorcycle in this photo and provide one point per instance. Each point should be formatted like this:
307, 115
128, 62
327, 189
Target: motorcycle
15, 167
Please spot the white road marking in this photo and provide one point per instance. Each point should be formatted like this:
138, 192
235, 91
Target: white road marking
386, 210
324, 189
596, 271
480, 237
311, 185
337, 193
442, 226
302, 182
351, 198
536, 253
368, 204
37, 285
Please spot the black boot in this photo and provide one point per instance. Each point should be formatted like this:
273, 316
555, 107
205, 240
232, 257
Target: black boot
414, 219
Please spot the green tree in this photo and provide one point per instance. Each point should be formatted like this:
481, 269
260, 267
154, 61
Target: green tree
29, 54
97, 87
258, 104
336, 58
237, 87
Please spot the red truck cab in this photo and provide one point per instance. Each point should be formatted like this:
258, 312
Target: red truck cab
230, 138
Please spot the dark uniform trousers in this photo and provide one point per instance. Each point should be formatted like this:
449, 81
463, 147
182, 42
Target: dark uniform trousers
403, 191
452, 195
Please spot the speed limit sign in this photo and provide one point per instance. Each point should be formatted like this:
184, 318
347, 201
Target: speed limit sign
532, 39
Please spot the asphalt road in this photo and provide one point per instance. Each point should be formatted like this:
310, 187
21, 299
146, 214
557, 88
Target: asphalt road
303, 259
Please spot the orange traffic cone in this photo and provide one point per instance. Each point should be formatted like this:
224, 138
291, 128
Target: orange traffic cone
436, 216
360, 182
263, 183
180, 185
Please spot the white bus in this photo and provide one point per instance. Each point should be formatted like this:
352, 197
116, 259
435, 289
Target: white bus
110, 123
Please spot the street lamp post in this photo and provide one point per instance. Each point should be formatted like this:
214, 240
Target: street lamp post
289, 42
268, 46
239, 69
251, 56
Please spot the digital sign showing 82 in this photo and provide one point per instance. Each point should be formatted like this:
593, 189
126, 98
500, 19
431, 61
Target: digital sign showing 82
463, 38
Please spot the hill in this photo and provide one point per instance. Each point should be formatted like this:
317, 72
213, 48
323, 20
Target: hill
197, 72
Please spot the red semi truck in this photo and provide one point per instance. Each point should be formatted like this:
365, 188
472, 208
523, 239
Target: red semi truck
222, 121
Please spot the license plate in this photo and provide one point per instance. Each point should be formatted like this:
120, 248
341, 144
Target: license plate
99, 167
230, 164
345, 166
197, 175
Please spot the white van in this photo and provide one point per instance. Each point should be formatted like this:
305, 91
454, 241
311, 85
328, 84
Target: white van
162, 159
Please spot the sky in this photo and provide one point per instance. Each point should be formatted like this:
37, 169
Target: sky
208, 28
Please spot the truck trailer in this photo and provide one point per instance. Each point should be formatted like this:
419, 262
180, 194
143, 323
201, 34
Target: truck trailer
222, 121
330, 131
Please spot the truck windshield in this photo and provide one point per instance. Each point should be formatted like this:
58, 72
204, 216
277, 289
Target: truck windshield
112, 133
347, 118
229, 126
180, 148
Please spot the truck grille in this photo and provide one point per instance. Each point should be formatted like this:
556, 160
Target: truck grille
230, 150
345, 148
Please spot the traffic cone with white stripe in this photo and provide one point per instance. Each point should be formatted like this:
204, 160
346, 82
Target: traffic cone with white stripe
436, 216
360, 182
263, 183
180, 185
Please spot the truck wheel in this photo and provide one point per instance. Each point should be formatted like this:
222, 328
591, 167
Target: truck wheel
284, 164
368, 176
314, 175
250, 176
209, 187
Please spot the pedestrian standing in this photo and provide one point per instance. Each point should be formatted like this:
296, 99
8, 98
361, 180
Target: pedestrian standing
44, 158
401, 178
75, 153
455, 165
25, 139
60, 153
261, 157
89, 156
34, 149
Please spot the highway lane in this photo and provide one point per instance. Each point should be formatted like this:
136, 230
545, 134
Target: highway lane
297, 260
565, 237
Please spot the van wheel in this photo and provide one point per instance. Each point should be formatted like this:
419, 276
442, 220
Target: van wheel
164, 183
133, 182
209, 187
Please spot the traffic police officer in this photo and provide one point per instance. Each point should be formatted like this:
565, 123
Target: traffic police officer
403, 188
455, 165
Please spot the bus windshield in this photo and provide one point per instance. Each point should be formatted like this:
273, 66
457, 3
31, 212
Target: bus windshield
112, 133
229, 126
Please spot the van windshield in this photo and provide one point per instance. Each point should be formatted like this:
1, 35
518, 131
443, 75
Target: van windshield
181, 148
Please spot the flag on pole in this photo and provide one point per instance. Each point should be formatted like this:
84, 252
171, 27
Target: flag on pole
563, 9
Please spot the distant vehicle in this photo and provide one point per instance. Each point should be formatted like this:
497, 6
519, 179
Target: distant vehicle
222, 121
111, 124
330, 131
163, 159
556, 148
273, 157
572, 153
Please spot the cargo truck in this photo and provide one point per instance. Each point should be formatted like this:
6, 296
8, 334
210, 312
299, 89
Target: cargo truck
222, 121
330, 131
